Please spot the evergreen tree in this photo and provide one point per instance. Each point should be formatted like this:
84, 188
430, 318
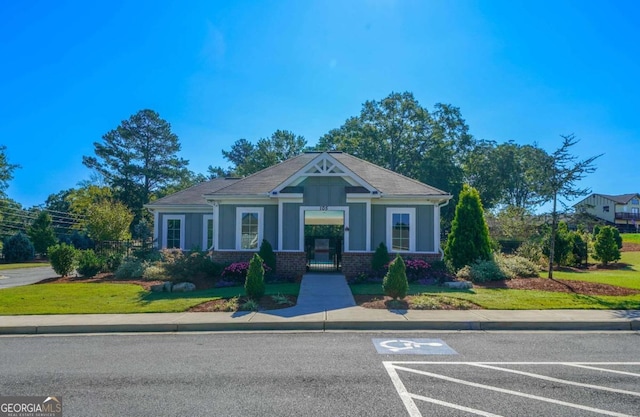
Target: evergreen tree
267, 254
469, 237
395, 284
605, 247
254, 284
41, 233
380, 259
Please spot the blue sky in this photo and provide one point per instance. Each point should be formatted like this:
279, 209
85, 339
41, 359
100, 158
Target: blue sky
219, 71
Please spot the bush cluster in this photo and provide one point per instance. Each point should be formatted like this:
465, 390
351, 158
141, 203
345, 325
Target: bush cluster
482, 271
181, 266
90, 264
515, 266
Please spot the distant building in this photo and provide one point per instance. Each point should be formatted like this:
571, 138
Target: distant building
622, 211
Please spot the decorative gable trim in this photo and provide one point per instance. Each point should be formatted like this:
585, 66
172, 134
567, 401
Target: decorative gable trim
324, 165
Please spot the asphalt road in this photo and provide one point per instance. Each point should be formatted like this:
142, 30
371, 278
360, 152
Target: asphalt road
328, 374
24, 276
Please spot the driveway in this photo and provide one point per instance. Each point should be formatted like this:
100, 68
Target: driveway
25, 276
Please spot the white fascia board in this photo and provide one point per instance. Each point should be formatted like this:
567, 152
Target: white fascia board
264, 201
406, 201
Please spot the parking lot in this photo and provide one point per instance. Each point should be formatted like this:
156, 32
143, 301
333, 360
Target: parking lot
517, 388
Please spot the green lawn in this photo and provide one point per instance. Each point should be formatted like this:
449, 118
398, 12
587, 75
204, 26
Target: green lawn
509, 299
628, 277
90, 298
23, 265
631, 237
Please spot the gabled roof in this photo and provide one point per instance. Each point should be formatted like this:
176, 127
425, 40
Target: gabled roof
360, 173
620, 199
192, 196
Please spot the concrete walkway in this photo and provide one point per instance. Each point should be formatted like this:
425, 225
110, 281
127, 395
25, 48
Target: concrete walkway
319, 293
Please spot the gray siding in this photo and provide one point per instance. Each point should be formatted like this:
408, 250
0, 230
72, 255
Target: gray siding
378, 225
271, 225
357, 226
291, 226
425, 239
324, 191
227, 225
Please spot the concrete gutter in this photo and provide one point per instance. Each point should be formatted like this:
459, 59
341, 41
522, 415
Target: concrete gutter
352, 318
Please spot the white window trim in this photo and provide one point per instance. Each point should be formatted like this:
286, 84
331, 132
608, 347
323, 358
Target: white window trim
165, 227
244, 210
345, 236
412, 228
205, 230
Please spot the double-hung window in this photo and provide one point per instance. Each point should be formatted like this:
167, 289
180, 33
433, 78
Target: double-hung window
207, 232
173, 231
249, 227
401, 229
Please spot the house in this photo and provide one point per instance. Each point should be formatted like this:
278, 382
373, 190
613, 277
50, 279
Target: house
318, 210
622, 211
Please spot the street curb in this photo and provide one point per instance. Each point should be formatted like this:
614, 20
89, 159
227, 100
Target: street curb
633, 325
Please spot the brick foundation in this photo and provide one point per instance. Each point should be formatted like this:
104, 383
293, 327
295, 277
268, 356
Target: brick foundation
290, 265
355, 263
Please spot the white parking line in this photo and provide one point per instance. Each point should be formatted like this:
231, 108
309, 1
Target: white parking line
615, 371
408, 398
561, 381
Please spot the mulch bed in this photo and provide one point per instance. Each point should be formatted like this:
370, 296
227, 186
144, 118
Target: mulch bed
387, 303
630, 247
266, 303
560, 285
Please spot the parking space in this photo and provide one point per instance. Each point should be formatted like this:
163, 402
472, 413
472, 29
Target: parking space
517, 388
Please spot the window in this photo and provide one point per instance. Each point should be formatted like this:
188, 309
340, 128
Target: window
173, 232
249, 227
634, 201
401, 232
207, 232
605, 209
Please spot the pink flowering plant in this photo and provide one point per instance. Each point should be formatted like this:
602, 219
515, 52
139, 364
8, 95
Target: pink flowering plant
237, 271
415, 268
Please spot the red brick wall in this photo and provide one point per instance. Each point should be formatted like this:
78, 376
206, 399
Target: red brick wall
355, 263
288, 264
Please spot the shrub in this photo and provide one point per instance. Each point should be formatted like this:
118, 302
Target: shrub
154, 273
605, 247
130, 269
482, 271
395, 283
249, 305
532, 251
89, 264
18, 248
181, 267
380, 259
469, 237
267, 255
514, 266
416, 269
113, 261
63, 258
254, 285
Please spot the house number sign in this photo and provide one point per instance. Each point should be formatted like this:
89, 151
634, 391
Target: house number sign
324, 208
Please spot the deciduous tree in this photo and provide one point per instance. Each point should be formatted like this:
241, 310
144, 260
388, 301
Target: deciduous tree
563, 172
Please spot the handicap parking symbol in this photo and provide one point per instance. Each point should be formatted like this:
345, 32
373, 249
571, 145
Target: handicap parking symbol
401, 346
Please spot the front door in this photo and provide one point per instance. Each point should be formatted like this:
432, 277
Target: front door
323, 239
